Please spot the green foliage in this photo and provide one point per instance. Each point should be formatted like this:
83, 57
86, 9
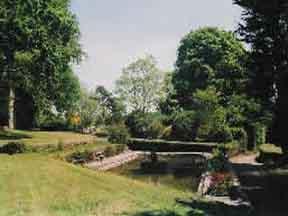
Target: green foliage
185, 125
145, 125
140, 85
13, 148
260, 133
78, 157
112, 109
88, 110
39, 40
118, 134
53, 122
209, 57
264, 28
269, 153
240, 135
218, 163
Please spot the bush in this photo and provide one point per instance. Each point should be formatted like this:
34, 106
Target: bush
78, 157
219, 160
118, 134
240, 135
166, 133
185, 126
55, 124
260, 134
13, 148
223, 135
145, 125
269, 153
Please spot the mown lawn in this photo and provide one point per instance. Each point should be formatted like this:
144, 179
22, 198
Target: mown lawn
42, 138
31, 184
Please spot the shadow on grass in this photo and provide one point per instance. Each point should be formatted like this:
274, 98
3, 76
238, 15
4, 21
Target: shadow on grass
266, 189
215, 208
157, 213
10, 135
202, 208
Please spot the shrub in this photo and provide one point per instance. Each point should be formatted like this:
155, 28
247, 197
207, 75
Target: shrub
54, 124
219, 160
118, 134
166, 133
260, 134
78, 157
110, 151
13, 148
145, 125
223, 135
185, 126
101, 132
269, 153
155, 129
240, 135
120, 148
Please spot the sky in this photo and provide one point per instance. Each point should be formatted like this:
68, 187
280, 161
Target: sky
115, 33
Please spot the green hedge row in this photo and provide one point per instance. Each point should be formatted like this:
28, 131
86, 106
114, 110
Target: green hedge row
169, 146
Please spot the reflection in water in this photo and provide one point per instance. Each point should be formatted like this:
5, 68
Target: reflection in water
182, 171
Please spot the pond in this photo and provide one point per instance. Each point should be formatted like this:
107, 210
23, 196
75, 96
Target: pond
182, 172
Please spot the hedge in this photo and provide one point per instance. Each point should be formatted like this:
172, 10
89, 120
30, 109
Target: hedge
169, 146
269, 153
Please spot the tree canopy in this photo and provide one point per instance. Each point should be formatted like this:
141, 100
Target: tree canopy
265, 27
140, 85
206, 57
38, 42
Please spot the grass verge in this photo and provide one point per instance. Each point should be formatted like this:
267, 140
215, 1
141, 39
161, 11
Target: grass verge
35, 185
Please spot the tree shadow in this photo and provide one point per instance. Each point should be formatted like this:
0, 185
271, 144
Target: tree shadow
157, 213
266, 188
215, 208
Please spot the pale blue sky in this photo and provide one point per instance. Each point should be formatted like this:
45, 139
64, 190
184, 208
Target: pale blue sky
115, 32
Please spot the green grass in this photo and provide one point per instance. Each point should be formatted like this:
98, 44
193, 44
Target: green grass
36, 185
43, 138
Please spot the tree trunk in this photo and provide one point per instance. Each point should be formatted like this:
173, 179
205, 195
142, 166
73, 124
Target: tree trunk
281, 117
11, 107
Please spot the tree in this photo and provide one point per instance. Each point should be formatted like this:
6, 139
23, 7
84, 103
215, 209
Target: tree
209, 57
265, 27
88, 110
112, 107
38, 41
140, 85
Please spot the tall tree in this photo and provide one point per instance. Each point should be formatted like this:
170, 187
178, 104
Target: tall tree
38, 41
112, 107
209, 57
140, 85
265, 27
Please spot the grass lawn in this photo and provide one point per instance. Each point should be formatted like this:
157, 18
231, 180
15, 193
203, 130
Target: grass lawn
44, 138
31, 184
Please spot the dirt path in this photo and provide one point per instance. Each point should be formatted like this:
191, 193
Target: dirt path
267, 189
113, 162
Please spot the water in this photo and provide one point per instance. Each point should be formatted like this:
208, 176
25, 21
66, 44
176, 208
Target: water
181, 172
